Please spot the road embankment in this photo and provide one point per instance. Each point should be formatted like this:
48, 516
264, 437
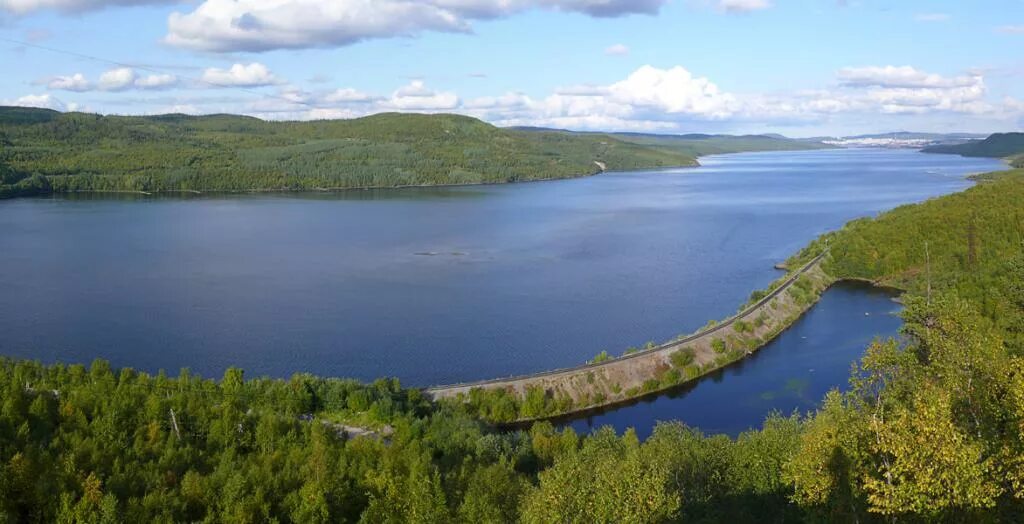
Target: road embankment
560, 392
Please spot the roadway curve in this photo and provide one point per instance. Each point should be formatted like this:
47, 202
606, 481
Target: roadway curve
629, 376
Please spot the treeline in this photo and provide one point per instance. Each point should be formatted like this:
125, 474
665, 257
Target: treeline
999, 145
86, 152
963, 243
700, 145
91, 444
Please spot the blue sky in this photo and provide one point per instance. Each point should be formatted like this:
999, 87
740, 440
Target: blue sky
798, 67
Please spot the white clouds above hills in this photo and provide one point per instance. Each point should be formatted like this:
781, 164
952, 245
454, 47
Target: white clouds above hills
652, 98
118, 79
649, 98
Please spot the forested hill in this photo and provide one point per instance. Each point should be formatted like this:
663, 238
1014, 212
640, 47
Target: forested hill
999, 145
45, 150
699, 144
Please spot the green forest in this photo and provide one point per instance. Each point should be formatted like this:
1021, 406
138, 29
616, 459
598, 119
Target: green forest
44, 151
700, 145
930, 429
999, 145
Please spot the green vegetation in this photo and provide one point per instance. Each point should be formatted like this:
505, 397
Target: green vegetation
700, 145
683, 357
44, 151
999, 145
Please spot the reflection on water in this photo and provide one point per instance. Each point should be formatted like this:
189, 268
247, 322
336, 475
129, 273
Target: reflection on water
792, 373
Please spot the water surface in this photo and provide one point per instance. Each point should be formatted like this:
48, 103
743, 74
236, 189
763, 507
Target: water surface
430, 285
790, 374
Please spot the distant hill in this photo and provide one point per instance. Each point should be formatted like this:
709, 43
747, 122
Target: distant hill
88, 152
999, 145
700, 144
910, 135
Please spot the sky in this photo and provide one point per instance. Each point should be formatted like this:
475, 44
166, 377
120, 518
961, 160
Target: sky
796, 67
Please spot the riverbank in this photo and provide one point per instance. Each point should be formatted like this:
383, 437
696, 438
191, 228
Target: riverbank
609, 381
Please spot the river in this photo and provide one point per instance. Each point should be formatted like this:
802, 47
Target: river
436, 285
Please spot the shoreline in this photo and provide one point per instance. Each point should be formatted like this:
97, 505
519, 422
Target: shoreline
568, 391
342, 189
313, 190
568, 406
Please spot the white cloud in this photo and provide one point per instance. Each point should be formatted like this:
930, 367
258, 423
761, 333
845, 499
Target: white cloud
932, 17
617, 50
75, 82
672, 91
239, 75
70, 6
417, 97
902, 76
347, 96
1011, 29
743, 6
44, 101
156, 81
117, 79
262, 25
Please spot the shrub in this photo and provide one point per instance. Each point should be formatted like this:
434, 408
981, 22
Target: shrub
683, 357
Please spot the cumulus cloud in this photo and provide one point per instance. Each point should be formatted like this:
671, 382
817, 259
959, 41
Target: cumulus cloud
347, 95
617, 50
117, 79
70, 6
75, 82
417, 97
156, 81
672, 91
669, 100
263, 25
44, 101
240, 75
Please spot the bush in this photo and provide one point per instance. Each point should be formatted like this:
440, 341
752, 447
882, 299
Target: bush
683, 357
718, 345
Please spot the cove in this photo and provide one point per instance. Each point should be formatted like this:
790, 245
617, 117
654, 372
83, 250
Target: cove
790, 374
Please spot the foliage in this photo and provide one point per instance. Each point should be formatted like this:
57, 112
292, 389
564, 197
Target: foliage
996, 146
700, 145
682, 357
86, 152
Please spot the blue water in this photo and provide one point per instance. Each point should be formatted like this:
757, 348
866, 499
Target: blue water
790, 374
429, 285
